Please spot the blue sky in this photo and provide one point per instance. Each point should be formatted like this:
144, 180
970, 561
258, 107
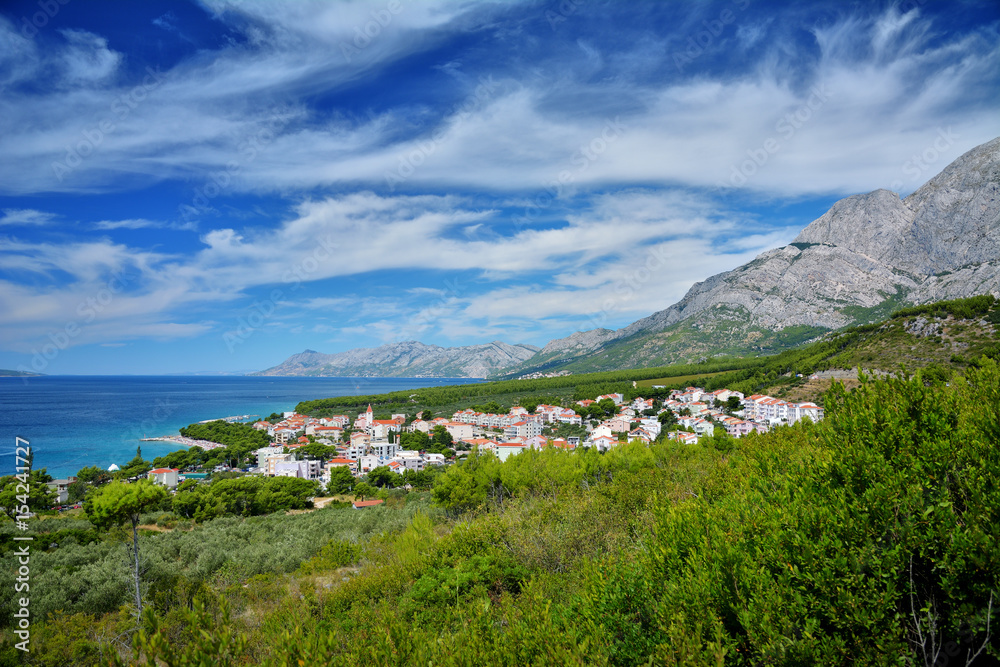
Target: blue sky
214, 186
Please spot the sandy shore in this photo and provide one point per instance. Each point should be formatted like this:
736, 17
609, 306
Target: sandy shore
187, 442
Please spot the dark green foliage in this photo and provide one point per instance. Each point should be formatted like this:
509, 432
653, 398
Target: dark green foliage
341, 480
240, 440
548, 389
842, 542
972, 307
243, 496
18, 497
383, 478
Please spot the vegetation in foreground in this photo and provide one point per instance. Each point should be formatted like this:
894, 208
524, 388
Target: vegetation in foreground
869, 538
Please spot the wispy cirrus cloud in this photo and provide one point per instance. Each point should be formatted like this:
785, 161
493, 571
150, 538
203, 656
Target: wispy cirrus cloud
450, 170
26, 217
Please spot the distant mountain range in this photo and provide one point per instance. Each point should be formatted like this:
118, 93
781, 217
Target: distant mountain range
408, 359
868, 255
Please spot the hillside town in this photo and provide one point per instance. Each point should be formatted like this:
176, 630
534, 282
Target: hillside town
365, 443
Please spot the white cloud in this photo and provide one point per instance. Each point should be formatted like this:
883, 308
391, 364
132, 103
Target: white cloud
142, 223
891, 82
26, 217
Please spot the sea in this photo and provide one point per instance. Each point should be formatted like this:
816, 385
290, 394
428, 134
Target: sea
74, 421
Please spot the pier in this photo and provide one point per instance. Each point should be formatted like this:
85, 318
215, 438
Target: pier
230, 420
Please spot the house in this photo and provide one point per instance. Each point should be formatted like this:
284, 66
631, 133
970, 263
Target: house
383, 448
737, 428
408, 461
641, 435
61, 487
617, 424
271, 461
459, 430
703, 426
507, 449
604, 442
350, 464
283, 435
165, 476
420, 425
601, 431
367, 463
681, 436
617, 398
264, 452
329, 432
434, 459
535, 442
308, 469
361, 504
568, 416
523, 429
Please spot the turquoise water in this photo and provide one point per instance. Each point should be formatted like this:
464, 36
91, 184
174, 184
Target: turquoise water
78, 421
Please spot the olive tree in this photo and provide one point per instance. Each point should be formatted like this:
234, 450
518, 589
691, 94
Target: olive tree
119, 503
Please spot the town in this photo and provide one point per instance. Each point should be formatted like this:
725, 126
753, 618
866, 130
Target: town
366, 443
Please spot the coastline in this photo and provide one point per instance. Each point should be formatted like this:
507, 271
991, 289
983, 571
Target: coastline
181, 440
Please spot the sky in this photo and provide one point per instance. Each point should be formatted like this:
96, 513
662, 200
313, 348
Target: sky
216, 185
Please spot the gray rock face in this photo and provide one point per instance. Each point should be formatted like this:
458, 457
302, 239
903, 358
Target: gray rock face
867, 255
407, 359
581, 341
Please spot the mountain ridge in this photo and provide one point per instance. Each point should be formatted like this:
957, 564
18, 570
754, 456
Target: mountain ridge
869, 254
407, 359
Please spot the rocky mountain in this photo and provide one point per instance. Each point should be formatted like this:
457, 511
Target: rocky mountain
867, 256
408, 359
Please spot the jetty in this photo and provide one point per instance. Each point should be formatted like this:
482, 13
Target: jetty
230, 420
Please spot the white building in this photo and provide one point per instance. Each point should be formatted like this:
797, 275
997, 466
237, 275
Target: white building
264, 452
165, 476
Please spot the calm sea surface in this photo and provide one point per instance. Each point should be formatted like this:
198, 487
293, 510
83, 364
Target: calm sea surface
78, 421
